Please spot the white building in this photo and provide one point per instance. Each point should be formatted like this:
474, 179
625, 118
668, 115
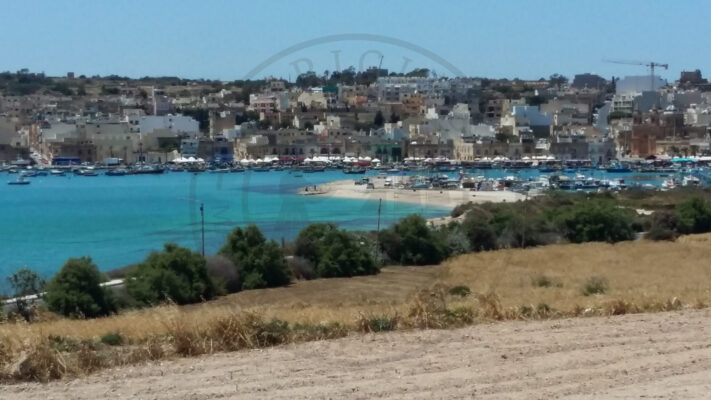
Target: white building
179, 124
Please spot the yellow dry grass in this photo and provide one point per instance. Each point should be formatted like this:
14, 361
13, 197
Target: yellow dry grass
643, 273
339, 300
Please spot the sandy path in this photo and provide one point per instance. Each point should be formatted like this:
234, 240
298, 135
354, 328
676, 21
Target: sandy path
422, 197
666, 355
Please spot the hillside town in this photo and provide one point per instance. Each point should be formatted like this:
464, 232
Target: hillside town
372, 113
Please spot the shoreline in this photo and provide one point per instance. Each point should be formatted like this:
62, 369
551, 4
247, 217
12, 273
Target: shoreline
347, 189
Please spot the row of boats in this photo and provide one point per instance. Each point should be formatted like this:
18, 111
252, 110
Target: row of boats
578, 182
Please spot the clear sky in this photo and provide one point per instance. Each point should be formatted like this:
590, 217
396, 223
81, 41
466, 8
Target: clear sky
217, 39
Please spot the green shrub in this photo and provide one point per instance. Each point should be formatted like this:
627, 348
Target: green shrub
309, 241
175, 274
596, 221
513, 229
259, 261
335, 252
460, 209
223, 273
664, 225
377, 324
112, 339
542, 281
455, 239
694, 215
595, 285
382, 324
481, 234
410, 241
25, 282
76, 291
460, 290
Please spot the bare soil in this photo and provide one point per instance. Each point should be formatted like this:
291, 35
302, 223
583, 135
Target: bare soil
663, 355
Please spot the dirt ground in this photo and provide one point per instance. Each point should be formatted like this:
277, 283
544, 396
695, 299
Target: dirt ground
664, 355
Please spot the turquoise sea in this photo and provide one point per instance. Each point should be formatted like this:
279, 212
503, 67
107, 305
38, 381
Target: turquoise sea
119, 220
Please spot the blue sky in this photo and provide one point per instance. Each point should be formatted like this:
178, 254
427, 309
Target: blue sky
226, 39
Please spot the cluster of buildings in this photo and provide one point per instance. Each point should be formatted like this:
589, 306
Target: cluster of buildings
392, 118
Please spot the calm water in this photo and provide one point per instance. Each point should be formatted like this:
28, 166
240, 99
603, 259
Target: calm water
119, 220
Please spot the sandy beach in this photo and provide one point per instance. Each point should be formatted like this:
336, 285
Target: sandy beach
424, 197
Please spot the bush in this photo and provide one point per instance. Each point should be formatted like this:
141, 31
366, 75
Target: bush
224, 274
112, 339
410, 241
343, 254
25, 282
176, 274
664, 225
460, 290
542, 281
513, 229
694, 215
596, 221
76, 291
301, 268
259, 261
455, 239
595, 285
334, 252
460, 209
479, 231
308, 241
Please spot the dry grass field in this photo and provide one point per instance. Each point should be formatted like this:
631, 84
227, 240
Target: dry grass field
536, 283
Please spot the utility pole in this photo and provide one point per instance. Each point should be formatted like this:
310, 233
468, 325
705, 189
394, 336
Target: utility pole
380, 204
202, 217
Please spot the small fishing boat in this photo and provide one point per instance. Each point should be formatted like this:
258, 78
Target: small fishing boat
117, 172
20, 181
57, 172
149, 169
618, 169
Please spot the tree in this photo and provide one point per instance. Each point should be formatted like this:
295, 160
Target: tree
25, 282
479, 231
259, 261
664, 226
175, 274
694, 215
76, 291
558, 80
308, 242
335, 252
394, 118
596, 221
410, 241
379, 120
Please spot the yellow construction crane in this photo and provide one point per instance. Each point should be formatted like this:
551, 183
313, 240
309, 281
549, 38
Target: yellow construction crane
650, 64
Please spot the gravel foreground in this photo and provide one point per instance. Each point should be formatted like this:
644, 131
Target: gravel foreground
664, 355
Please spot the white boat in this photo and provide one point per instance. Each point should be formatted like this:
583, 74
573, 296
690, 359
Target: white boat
690, 181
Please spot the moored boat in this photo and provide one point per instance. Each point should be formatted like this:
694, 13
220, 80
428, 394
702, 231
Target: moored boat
20, 181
